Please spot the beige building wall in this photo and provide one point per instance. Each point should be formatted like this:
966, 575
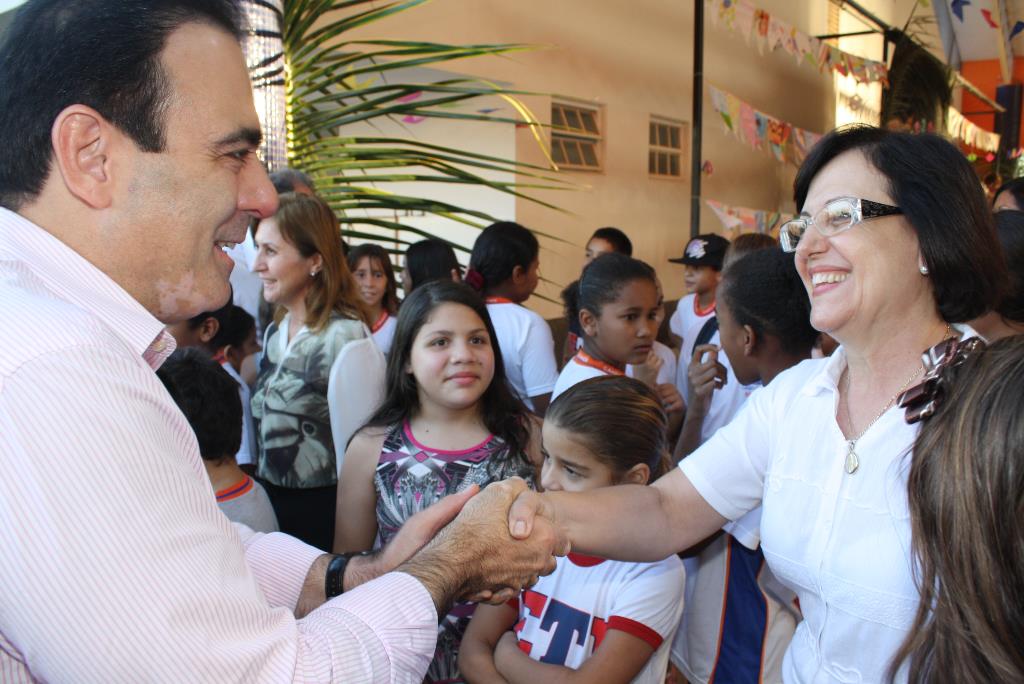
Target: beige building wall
634, 59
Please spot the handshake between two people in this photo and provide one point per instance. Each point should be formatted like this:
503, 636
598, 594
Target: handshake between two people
461, 548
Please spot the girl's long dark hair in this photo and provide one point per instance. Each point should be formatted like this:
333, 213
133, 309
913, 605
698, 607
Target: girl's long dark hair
501, 412
966, 498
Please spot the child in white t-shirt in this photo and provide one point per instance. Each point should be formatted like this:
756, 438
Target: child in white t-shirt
504, 268
611, 621
375, 276
616, 301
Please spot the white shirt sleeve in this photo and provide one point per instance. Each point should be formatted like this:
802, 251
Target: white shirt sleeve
729, 469
650, 603
117, 564
540, 371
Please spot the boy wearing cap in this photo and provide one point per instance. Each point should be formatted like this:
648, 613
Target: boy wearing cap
702, 259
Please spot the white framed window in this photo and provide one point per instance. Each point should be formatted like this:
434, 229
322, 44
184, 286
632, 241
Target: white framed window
665, 151
576, 136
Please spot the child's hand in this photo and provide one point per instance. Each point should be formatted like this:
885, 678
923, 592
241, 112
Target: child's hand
670, 397
647, 372
506, 649
704, 375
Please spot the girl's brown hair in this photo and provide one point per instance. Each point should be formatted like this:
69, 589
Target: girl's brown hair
966, 497
619, 419
309, 224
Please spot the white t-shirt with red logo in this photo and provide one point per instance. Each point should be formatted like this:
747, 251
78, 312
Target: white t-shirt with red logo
566, 615
384, 332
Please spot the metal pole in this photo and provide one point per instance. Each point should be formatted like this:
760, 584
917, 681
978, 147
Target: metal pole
698, 113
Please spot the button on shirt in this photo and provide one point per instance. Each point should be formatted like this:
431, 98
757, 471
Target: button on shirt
116, 564
840, 541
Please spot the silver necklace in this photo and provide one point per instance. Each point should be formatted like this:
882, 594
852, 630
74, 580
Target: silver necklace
852, 461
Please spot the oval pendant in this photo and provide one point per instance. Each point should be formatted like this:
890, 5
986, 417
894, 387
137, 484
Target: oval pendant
852, 462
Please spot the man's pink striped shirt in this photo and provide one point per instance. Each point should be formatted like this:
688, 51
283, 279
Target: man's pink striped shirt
116, 564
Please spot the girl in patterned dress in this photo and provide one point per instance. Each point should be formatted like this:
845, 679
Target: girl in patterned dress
449, 420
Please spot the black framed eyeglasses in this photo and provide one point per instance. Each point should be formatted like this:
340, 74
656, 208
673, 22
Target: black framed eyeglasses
835, 217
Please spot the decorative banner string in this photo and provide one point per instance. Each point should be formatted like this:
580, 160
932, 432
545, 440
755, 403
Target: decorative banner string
761, 131
738, 220
975, 136
767, 31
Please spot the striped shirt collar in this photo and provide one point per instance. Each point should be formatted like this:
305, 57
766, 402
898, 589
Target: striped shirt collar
74, 279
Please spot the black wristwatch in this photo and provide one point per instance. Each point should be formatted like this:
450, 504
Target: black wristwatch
334, 578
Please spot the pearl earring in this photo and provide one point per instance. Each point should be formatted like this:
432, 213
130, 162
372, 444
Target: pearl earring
312, 274
923, 269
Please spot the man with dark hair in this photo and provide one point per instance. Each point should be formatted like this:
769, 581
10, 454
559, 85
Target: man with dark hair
129, 141
292, 180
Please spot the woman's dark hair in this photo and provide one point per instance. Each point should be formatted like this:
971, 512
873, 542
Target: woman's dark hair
965, 493
429, 260
208, 397
604, 277
620, 420
377, 253
498, 249
619, 241
941, 198
103, 54
571, 303
762, 289
502, 413
1015, 187
1010, 229
235, 326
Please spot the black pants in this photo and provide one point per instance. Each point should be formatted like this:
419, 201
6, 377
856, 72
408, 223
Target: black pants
305, 513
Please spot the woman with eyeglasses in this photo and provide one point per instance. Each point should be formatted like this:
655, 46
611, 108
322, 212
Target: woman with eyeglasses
894, 243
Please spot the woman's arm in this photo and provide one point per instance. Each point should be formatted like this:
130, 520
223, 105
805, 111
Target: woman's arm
355, 513
626, 522
476, 651
619, 659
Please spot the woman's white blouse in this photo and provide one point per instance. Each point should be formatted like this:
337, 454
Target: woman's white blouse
840, 541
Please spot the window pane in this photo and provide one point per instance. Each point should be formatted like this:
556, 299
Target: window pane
662, 164
662, 135
589, 153
674, 138
572, 153
673, 166
557, 153
589, 122
556, 116
653, 133
572, 119
652, 162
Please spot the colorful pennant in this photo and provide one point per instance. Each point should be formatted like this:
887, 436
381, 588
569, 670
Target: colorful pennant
773, 33
738, 220
958, 126
786, 142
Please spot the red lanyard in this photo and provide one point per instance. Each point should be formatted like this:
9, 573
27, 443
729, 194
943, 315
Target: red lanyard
498, 300
585, 359
380, 321
702, 312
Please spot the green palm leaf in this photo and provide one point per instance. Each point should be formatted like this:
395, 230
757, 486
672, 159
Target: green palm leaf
343, 98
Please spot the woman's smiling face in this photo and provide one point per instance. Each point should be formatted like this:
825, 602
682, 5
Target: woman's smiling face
868, 273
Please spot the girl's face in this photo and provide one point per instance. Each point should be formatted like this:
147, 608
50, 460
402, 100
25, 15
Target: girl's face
595, 248
569, 466
625, 331
284, 271
735, 339
527, 281
452, 358
372, 280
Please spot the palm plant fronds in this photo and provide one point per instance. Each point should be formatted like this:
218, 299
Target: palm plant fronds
345, 96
